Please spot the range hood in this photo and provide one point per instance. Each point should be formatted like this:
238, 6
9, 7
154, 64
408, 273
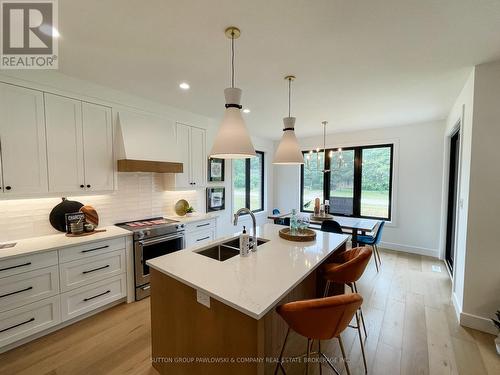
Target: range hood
146, 143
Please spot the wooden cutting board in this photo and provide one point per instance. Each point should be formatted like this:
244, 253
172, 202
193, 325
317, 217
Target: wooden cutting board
91, 215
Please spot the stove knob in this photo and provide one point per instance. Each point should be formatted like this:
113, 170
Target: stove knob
147, 233
140, 234
180, 226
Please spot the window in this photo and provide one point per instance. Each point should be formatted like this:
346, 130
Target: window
248, 183
357, 182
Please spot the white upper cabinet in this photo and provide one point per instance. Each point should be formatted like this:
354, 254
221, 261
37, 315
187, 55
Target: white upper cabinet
98, 147
183, 145
22, 141
79, 145
198, 157
64, 143
192, 151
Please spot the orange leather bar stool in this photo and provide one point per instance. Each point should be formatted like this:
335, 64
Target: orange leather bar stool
319, 319
347, 268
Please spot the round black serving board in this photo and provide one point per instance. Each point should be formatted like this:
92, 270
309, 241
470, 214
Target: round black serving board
57, 216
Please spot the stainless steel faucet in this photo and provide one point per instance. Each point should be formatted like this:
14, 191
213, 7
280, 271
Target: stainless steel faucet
235, 222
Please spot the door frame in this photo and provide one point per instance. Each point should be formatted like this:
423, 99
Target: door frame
446, 169
453, 189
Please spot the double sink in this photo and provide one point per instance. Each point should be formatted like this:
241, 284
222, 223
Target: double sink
226, 250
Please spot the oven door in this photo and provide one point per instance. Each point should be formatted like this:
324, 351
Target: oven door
153, 248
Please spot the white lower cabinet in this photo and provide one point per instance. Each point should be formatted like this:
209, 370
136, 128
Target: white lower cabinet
44, 289
93, 296
28, 287
27, 320
199, 237
81, 272
25, 263
199, 232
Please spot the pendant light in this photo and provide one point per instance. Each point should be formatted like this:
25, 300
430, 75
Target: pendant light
232, 140
288, 152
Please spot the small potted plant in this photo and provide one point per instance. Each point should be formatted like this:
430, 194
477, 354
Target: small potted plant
496, 322
190, 211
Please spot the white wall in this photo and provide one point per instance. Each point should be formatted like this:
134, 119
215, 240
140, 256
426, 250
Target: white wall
481, 276
58, 83
418, 168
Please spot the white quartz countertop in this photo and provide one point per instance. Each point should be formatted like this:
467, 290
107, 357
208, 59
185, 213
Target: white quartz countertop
193, 218
253, 284
58, 241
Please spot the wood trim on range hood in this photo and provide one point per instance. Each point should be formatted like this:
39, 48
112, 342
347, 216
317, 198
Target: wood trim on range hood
130, 165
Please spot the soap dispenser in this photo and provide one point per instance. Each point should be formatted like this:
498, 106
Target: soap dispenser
244, 243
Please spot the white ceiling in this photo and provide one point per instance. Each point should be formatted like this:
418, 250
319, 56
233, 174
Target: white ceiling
359, 64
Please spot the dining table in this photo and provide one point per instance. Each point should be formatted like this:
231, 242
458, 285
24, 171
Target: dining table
350, 224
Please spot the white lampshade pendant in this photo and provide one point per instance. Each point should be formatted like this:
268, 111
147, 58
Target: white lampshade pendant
288, 152
232, 140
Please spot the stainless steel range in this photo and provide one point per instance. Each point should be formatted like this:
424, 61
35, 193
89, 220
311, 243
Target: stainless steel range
152, 238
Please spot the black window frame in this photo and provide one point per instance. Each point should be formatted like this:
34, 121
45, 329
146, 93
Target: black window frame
248, 180
357, 188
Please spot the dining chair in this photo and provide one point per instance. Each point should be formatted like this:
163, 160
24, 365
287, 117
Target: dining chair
319, 319
373, 241
331, 226
347, 267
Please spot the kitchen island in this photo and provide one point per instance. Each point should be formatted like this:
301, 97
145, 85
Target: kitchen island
216, 317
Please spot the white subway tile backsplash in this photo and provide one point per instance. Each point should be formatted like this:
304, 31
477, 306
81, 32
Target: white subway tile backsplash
138, 195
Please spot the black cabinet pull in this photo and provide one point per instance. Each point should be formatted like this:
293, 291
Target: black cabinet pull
202, 225
82, 186
97, 248
17, 325
96, 269
98, 295
88, 186
8, 188
19, 291
204, 238
11, 267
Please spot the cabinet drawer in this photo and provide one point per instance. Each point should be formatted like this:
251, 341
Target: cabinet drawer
25, 263
24, 288
200, 225
28, 320
199, 237
86, 271
91, 249
90, 297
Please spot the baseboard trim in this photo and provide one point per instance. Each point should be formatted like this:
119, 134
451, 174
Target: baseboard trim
477, 322
434, 253
456, 305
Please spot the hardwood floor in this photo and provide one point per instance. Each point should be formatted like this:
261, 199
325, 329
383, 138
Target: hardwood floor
412, 329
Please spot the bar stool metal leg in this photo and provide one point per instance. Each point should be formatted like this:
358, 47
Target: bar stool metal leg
321, 354
361, 343
279, 365
319, 358
355, 289
344, 356
308, 355
327, 289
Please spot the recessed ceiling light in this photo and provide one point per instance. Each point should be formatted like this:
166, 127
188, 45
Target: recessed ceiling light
246, 110
184, 86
